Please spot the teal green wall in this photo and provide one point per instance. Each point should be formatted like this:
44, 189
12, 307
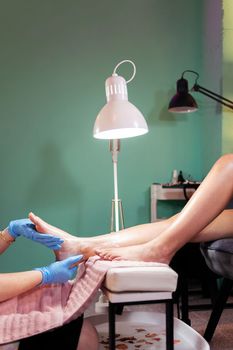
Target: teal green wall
55, 57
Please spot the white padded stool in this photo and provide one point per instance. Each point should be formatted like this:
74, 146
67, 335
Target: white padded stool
140, 285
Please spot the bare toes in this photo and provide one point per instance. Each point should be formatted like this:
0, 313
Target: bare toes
103, 255
100, 252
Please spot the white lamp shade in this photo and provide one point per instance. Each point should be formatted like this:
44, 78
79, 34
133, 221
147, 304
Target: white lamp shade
119, 119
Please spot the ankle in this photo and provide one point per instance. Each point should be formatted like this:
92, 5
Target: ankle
157, 252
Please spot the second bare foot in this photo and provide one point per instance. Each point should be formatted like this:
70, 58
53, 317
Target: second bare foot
143, 252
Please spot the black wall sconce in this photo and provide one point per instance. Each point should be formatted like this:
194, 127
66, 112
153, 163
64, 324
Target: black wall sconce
183, 101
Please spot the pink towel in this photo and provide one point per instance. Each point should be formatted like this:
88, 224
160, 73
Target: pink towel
51, 306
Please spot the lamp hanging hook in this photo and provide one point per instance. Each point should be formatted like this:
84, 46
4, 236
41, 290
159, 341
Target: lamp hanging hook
191, 71
126, 61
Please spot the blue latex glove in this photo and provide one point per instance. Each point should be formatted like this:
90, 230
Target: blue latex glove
59, 271
24, 227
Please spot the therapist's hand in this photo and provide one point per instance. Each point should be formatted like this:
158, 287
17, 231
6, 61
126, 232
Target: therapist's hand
60, 271
25, 228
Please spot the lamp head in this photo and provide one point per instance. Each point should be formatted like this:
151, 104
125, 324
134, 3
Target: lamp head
182, 102
118, 118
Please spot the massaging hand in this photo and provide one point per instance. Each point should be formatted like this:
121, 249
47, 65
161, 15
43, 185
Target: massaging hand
60, 271
24, 227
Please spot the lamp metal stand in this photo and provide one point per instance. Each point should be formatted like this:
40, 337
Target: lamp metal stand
112, 123
117, 217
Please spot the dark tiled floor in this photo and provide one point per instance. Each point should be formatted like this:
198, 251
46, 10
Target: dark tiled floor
223, 336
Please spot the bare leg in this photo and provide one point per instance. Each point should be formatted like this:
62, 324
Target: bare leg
220, 227
87, 245
204, 206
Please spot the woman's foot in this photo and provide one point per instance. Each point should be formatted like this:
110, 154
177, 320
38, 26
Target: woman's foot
143, 252
72, 245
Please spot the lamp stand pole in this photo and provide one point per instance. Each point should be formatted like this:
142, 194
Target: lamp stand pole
117, 216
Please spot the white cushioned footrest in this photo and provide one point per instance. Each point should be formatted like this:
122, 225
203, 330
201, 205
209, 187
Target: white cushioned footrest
159, 278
